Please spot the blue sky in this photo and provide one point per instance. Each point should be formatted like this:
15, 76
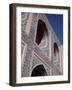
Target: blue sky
56, 22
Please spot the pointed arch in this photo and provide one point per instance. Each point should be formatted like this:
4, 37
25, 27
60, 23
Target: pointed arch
41, 31
56, 49
39, 71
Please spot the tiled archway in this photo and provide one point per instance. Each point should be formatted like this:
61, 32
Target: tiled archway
41, 31
39, 71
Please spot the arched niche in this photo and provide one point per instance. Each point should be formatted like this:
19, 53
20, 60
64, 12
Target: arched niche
56, 49
42, 39
41, 31
39, 71
56, 52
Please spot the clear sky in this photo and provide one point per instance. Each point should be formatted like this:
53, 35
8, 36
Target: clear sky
56, 22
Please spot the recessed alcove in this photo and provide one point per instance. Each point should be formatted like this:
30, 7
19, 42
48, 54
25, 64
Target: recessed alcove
39, 71
41, 31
